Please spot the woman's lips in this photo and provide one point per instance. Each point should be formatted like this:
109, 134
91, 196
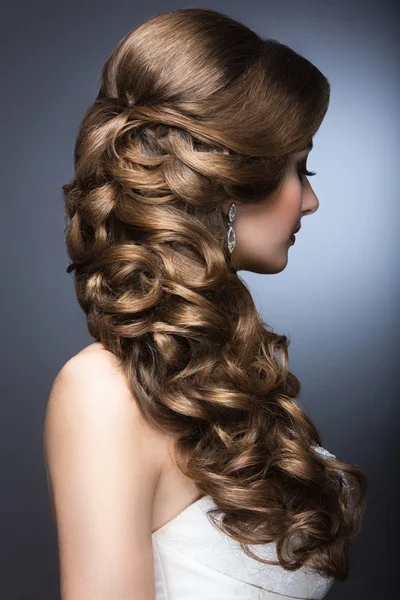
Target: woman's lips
293, 237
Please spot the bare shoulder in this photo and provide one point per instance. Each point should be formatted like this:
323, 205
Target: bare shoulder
103, 464
96, 369
90, 387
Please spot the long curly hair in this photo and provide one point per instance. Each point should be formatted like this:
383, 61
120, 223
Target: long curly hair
194, 109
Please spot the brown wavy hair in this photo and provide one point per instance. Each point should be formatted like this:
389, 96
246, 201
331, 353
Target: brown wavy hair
194, 109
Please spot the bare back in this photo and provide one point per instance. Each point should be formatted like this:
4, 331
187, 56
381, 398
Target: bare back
173, 491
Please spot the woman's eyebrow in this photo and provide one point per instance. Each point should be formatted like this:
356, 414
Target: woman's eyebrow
309, 147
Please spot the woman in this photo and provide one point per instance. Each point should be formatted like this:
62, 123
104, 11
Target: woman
179, 463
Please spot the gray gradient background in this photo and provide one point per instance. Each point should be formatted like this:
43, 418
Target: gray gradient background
337, 297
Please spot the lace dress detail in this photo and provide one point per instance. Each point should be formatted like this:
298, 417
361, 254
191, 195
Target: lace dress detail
193, 560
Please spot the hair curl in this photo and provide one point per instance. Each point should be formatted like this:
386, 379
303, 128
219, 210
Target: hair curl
193, 109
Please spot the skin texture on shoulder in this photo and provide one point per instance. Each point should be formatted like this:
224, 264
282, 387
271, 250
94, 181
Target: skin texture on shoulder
102, 467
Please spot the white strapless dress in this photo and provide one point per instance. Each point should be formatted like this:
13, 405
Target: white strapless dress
193, 560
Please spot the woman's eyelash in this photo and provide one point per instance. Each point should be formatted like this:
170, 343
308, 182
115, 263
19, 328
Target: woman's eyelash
303, 171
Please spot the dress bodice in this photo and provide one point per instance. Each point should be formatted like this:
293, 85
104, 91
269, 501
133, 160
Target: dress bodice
193, 560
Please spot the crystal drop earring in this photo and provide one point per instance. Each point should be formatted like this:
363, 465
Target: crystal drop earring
231, 237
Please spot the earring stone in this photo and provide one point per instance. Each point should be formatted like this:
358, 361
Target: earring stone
231, 237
